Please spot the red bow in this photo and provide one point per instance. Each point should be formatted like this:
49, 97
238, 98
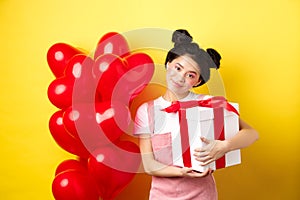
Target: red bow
214, 102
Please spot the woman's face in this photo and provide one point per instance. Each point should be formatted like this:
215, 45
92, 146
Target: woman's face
182, 74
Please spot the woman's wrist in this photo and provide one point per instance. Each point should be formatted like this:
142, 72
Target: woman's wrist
227, 146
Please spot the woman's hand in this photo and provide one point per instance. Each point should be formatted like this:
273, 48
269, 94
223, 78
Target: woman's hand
189, 172
213, 150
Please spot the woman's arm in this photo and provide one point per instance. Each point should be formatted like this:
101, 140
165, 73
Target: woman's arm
216, 148
156, 168
244, 138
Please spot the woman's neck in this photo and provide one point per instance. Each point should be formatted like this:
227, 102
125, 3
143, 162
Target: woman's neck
171, 96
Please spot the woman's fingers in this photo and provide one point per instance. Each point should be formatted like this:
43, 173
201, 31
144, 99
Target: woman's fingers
206, 162
205, 140
204, 158
201, 154
202, 174
189, 172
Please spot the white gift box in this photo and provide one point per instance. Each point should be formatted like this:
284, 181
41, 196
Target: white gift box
200, 122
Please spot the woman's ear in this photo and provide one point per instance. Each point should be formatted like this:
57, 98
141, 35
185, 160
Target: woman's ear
198, 83
167, 65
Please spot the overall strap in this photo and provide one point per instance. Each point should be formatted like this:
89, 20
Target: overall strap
151, 115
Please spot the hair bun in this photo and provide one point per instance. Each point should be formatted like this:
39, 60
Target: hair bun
215, 56
181, 36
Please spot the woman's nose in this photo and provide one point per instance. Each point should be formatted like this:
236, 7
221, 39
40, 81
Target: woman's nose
180, 77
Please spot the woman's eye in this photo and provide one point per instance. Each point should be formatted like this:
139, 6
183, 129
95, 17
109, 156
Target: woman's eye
190, 75
177, 68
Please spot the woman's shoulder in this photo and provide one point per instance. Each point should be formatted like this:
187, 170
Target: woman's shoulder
146, 104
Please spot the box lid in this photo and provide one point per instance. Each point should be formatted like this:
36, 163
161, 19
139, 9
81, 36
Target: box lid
204, 113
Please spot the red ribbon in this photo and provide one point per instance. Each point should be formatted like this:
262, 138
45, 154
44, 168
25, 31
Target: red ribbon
218, 104
185, 143
219, 133
214, 102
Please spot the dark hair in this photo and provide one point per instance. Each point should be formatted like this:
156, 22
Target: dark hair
184, 45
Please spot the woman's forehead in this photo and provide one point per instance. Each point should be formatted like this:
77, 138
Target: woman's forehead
188, 63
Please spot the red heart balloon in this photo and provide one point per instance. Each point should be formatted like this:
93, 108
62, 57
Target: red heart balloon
139, 72
79, 75
79, 69
138, 59
110, 172
70, 117
97, 124
60, 92
79, 66
122, 176
80, 120
71, 165
59, 55
74, 185
100, 172
112, 43
108, 69
113, 118
63, 138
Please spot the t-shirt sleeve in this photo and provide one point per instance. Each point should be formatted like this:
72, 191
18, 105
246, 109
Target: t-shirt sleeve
141, 121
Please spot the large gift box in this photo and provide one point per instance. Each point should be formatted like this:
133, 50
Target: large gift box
219, 123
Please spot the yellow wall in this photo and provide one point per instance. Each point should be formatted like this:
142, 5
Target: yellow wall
260, 45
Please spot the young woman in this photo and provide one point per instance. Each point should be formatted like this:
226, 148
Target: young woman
187, 66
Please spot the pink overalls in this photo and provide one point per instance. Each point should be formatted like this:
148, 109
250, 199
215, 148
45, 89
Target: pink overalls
176, 188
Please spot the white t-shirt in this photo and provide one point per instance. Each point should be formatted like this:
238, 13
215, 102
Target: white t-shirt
163, 122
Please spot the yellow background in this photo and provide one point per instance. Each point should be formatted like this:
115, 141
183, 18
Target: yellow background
259, 41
